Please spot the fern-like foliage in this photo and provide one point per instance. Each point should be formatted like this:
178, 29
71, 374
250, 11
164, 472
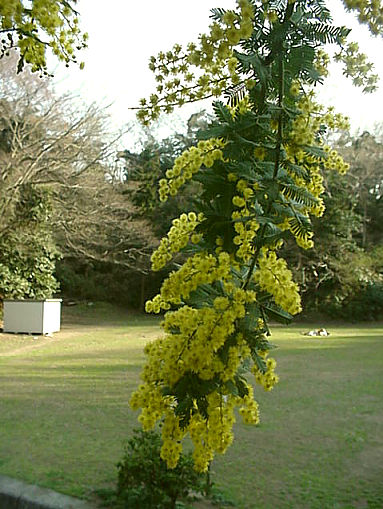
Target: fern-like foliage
222, 112
326, 34
297, 171
300, 225
235, 94
300, 62
277, 5
217, 13
299, 195
320, 11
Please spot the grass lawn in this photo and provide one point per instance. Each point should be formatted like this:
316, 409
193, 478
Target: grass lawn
64, 413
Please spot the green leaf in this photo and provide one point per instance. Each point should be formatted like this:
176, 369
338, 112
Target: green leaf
299, 60
315, 151
277, 313
243, 169
266, 168
254, 63
222, 112
320, 10
184, 406
271, 240
299, 194
217, 13
326, 34
249, 321
231, 387
202, 405
300, 225
297, 15
245, 367
241, 385
215, 131
259, 362
299, 171
234, 95
209, 178
203, 295
214, 224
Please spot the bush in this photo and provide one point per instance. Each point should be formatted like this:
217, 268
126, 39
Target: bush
364, 305
144, 481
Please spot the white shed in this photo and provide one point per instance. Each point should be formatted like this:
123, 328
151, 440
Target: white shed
32, 316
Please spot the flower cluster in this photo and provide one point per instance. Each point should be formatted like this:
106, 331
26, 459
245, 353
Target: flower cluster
192, 342
274, 277
180, 233
304, 134
172, 434
358, 67
216, 435
189, 163
249, 411
369, 12
149, 397
266, 378
321, 62
305, 126
56, 19
245, 225
193, 338
212, 58
202, 268
335, 161
262, 180
241, 106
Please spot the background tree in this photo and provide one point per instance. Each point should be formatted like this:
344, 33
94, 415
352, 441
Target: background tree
56, 144
365, 181
145, 169
342, 274
358, 269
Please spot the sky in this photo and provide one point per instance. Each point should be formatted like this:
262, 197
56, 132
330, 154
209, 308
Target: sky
125, 33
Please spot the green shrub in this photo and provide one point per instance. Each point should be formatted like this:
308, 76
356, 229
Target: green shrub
27, 265
364, 305
28, 252
144, 481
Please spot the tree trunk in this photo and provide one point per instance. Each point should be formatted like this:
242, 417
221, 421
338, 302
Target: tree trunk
142, 295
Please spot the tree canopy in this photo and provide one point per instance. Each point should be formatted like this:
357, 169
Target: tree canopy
57, 177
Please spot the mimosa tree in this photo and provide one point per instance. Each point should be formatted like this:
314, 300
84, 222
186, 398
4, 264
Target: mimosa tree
260, 167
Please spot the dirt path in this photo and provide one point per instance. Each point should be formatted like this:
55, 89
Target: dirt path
29, 342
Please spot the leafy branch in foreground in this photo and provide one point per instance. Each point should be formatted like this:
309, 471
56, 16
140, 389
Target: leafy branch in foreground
32, 27
260, 165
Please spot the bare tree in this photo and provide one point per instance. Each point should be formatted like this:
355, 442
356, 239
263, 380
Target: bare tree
58, 143
365, 155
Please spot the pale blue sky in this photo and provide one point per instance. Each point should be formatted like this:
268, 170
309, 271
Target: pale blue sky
123, 34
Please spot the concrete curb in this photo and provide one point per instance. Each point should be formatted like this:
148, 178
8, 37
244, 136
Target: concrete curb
16, 494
